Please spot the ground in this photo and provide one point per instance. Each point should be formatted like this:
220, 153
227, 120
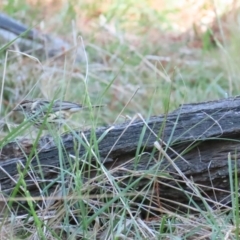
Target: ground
138, 57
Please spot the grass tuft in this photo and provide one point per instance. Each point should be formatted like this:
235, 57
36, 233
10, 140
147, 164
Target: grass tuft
139, 59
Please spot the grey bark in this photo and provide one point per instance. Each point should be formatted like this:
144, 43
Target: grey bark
196, 141
31, 41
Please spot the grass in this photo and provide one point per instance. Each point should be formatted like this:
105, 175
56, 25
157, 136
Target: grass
136, 60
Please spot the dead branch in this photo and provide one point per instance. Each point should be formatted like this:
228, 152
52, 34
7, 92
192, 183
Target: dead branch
192, 145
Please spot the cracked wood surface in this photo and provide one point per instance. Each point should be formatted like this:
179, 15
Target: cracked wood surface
198, 138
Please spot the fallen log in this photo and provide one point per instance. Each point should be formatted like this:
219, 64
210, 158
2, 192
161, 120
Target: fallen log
33, 42
191, 146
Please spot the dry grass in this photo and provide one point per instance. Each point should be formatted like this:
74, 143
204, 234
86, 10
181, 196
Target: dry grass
143, 58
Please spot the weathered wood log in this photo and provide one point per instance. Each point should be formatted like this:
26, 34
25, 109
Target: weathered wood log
193, 144
32, 41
